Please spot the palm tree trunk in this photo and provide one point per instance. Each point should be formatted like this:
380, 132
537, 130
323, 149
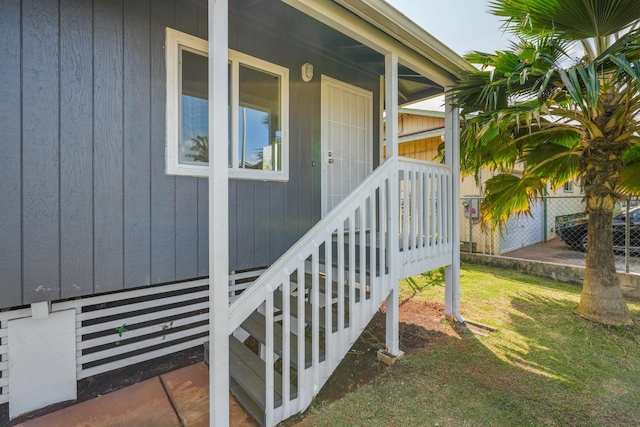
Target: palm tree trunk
601, 300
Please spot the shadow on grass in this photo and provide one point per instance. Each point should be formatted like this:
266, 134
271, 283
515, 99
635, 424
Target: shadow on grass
429, 279
545, 366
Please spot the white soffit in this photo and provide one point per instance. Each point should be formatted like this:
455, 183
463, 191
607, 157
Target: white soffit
352, 24
395, 24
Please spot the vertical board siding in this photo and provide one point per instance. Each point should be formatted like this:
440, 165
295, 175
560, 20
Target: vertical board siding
163, 214
245, 223
186, 187
292, 189
86, 206
108, 146
203, 227
305, 143
137, 144
76, 148
233, 225
10, 164
186, 228
40, 151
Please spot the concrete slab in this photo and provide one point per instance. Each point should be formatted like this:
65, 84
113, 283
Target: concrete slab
188, 389
142, 404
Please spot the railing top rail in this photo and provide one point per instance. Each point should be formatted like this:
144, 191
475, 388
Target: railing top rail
424, 163
320, 227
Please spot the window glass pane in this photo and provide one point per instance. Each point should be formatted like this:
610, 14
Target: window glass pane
259, 120
194, 126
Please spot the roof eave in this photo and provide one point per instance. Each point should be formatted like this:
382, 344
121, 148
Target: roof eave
394, 23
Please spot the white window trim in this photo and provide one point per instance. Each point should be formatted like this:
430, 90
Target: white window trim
564, 187
175, 39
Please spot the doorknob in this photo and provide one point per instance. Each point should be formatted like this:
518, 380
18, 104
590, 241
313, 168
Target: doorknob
330, 161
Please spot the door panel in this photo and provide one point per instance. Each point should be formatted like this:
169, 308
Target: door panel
347, 139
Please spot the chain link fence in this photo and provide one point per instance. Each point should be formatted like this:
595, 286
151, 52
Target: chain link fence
555, 231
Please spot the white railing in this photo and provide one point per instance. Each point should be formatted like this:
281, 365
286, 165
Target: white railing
425, 214
313, 303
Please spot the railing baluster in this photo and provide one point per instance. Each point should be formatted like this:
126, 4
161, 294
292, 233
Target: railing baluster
328, 303
435, 190
424, 214
269, 352
286, 343
362, 264
315, 315
383, 235
352, 272
302, 370
447, 202
441, 197
373, 262
405, 211
414, 212
341, 265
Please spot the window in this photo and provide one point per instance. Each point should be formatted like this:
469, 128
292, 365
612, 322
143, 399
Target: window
258, 112
568, 187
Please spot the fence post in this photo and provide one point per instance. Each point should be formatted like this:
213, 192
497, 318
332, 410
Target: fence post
627, 237
470, 230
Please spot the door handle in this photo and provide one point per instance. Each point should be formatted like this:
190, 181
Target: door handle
330, 161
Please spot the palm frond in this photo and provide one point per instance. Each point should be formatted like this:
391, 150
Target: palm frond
507, 195
629, 183
570, 19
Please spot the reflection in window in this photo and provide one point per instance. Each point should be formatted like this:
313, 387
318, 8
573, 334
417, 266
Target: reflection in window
259, 126
194, 106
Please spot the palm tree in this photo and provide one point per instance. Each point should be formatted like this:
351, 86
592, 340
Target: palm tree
560, 116
200, 146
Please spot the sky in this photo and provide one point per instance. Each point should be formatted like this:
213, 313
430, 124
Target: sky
463, 25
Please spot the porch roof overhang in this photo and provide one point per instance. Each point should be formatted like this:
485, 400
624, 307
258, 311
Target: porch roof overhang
394, 23
366, 29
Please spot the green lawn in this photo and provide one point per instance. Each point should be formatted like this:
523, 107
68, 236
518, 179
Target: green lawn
544, 365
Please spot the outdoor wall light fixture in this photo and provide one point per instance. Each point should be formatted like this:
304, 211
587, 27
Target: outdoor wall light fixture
307, 72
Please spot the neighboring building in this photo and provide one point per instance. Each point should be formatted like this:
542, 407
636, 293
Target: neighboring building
421, 133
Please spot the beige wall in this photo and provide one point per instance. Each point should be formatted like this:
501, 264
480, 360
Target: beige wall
423, 149
409, 124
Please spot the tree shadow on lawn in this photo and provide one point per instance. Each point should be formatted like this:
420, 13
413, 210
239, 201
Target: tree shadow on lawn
584, 372
545, 366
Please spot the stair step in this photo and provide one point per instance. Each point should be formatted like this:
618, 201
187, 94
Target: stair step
255, 325
309, 280
308, 312
248, 370
247, 402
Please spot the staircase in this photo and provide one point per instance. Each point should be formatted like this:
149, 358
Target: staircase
291, 328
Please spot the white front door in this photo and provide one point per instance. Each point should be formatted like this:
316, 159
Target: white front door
347, 139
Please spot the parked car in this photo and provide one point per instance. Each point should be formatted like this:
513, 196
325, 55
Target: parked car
574, 233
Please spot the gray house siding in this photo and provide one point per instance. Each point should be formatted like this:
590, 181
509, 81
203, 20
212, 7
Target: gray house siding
85, 204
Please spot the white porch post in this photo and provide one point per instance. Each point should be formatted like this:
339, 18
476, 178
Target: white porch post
218, 215
452, 159
391, 102
391, 108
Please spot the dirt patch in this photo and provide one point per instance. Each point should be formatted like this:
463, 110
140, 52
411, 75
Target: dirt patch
421, 325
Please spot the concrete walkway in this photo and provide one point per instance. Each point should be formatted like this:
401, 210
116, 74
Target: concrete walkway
178, 398
556, 250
